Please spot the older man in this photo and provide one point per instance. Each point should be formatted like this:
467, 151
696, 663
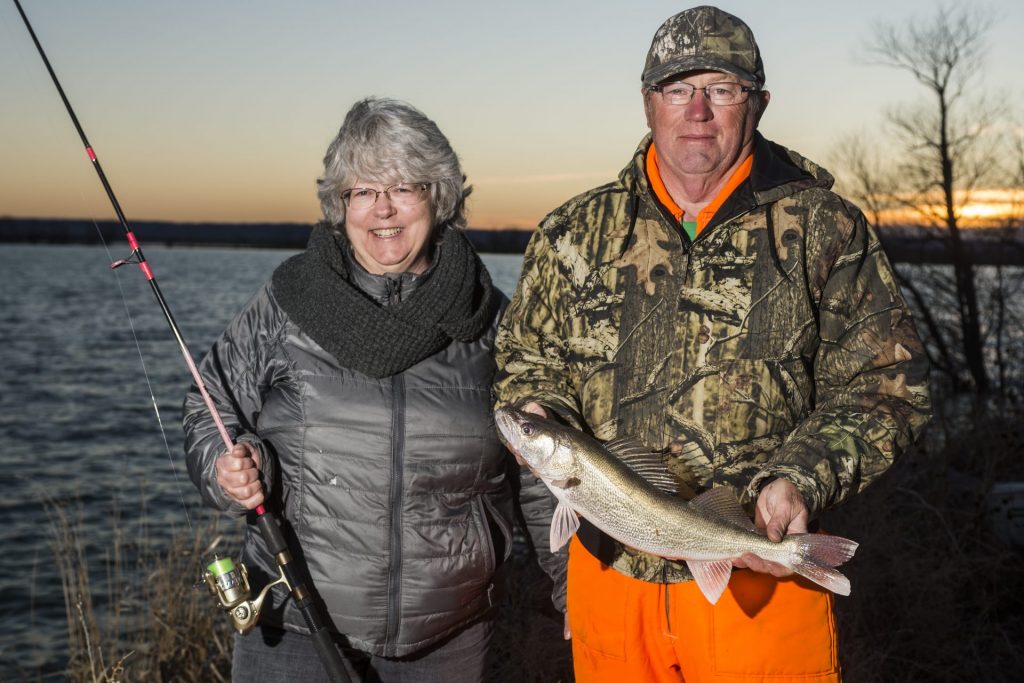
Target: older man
719, 303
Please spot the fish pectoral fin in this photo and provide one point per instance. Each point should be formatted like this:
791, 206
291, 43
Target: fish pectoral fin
721, 502
711, 577
564, 524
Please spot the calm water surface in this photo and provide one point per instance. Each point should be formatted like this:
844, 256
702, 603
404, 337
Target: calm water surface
77, 419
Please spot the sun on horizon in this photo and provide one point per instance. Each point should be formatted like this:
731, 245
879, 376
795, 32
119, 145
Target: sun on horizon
979, 209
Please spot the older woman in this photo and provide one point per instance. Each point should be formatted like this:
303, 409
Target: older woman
356, 385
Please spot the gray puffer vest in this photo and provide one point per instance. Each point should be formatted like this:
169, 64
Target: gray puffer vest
396, 489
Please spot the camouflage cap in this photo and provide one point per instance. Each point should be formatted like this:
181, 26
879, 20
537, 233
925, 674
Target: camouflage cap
703, 37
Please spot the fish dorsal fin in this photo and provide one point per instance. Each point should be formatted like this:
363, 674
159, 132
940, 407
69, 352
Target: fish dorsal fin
564, 524
721, 502
645, 462
711, 577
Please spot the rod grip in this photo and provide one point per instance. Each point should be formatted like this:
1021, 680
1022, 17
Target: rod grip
271, 533
318, 630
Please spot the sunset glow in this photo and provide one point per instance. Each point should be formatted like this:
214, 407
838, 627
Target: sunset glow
203, 113
991, 208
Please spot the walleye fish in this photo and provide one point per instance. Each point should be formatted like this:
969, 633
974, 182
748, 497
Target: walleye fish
613, 485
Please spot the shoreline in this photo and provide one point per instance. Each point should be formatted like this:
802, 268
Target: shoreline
253, 235
903, 244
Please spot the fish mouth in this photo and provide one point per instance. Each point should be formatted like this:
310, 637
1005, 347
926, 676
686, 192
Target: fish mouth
505, 422
510, 432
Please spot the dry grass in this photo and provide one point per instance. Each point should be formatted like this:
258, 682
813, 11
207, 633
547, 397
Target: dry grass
145, 620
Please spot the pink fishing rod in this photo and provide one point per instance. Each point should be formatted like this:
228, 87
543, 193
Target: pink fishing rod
305, 601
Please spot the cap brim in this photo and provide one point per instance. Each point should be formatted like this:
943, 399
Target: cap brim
695, 63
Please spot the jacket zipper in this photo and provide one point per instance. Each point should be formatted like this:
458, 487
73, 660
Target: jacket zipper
397, 500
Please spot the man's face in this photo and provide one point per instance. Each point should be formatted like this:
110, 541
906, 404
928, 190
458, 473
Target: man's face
700, 140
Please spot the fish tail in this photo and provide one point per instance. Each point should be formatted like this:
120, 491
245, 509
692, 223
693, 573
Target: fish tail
819, 553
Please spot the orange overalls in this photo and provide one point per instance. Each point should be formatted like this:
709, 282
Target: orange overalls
762, 629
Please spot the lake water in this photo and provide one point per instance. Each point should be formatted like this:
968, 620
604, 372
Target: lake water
76, 413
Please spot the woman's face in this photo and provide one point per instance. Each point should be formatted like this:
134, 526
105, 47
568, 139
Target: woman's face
390, 236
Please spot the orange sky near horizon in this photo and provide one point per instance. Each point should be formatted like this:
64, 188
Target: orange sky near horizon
983, 208
202, 112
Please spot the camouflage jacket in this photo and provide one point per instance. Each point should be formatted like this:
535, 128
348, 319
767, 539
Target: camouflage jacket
775, 344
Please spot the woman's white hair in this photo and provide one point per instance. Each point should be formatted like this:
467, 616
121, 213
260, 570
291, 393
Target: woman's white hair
388, 141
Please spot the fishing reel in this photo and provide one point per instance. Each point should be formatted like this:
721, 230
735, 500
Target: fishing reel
229, 584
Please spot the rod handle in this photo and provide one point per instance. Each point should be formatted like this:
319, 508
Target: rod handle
318, 630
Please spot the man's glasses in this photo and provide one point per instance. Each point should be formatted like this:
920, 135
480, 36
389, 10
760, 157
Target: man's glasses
719, 94
402, 194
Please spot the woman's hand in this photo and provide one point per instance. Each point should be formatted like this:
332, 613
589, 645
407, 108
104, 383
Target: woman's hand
238, 473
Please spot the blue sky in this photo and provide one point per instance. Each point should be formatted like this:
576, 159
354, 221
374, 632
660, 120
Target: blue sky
221, 111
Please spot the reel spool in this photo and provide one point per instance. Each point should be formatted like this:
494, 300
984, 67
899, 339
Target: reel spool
229, 584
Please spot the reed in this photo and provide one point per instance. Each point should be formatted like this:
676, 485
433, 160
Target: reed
146, 619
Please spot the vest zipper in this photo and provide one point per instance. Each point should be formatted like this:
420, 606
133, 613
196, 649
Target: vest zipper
397, 501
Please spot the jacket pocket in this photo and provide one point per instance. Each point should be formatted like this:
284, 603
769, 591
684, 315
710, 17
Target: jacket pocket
483, 529
499, 524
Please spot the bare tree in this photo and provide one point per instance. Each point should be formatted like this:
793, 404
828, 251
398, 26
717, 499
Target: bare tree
946, 154
864, 176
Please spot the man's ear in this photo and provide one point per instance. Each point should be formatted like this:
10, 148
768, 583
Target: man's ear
764, 96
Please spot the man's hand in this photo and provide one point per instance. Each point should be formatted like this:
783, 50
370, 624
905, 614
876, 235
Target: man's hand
780, 510
536, 409
238, 473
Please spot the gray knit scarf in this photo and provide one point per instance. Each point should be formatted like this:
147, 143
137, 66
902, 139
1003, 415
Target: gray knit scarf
456, 302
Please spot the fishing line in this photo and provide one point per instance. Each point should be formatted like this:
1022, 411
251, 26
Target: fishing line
224, 579
85, 201
145, 373
55, 125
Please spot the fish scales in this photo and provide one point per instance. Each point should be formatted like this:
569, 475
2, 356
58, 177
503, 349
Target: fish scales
624, 505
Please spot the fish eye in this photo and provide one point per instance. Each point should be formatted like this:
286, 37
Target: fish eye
528, 429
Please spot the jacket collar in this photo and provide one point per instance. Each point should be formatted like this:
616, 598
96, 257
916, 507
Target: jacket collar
387, 289
777, 172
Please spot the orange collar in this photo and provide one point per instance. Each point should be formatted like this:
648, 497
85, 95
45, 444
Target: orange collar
705, 215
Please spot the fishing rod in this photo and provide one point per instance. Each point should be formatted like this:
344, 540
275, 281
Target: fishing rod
227, 581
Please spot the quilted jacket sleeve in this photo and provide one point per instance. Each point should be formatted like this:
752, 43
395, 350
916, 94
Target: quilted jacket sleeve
538, 506
237, 373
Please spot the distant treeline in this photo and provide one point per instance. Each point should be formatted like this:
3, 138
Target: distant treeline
907, 244
261, 235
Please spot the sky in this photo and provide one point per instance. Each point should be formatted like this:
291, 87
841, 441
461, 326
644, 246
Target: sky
221, 110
